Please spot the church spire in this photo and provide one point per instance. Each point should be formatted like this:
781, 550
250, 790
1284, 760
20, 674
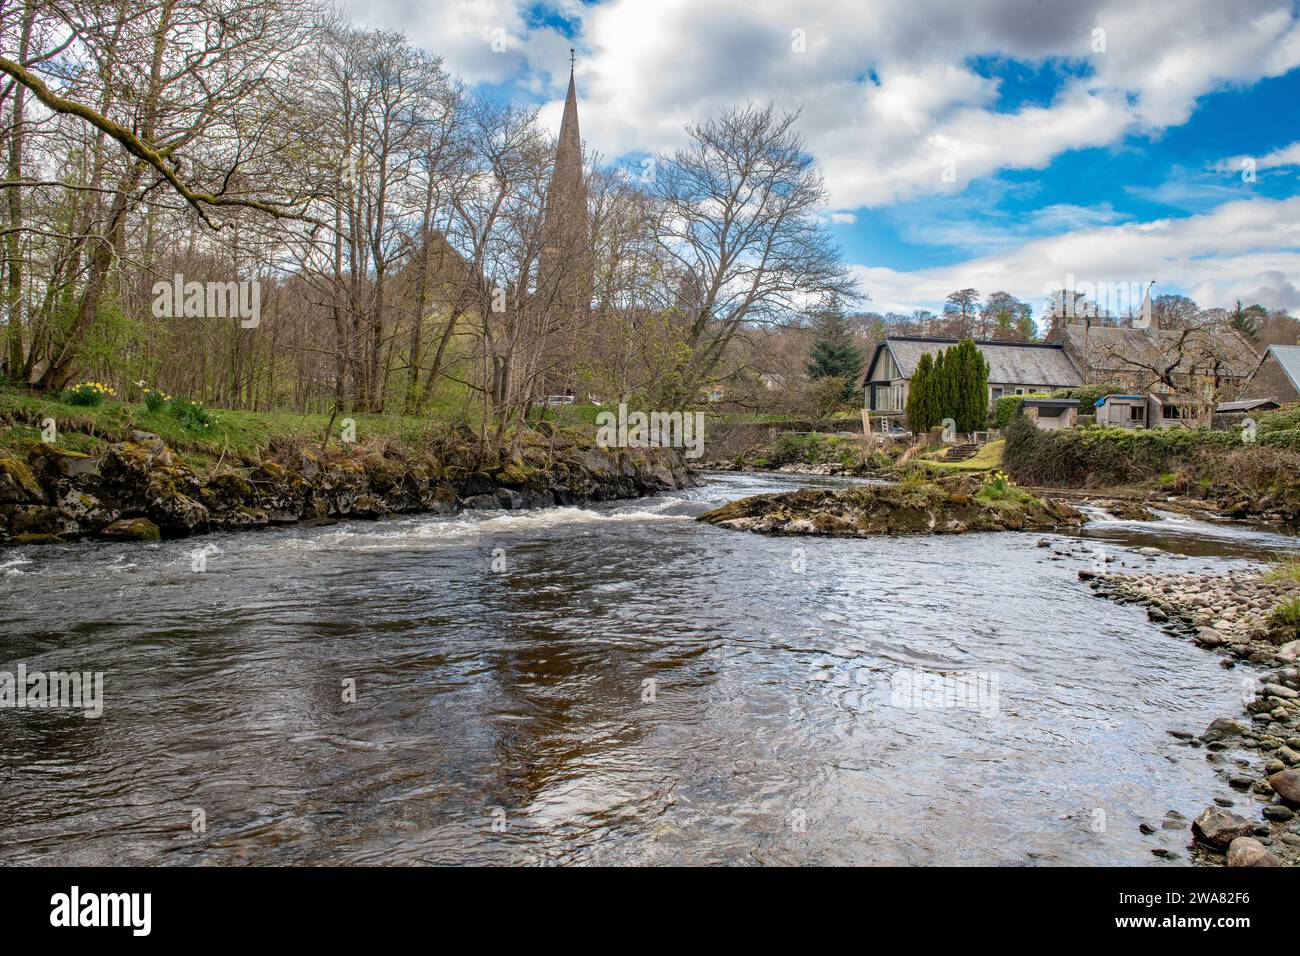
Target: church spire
568, 155
564, 269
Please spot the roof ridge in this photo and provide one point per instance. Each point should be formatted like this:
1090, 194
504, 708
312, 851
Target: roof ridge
938, 340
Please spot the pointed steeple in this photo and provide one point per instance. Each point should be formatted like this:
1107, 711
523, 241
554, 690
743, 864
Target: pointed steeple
568, 154
564, 267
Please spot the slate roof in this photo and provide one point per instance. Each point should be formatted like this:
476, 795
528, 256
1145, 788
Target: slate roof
1010, 363
1109, 345
1288, 356
1246, 405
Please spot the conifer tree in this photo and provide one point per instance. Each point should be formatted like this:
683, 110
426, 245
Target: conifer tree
833, 350
920, 396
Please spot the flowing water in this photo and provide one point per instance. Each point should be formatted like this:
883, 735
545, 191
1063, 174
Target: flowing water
619, 684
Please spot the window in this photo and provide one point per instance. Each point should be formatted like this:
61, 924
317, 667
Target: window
1170, 411
1136, 413
888, 398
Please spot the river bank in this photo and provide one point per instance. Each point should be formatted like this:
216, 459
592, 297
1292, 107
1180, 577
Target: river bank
142, 490
1235, 615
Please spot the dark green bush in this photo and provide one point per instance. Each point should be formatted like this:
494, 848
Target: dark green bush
1088, 394
1282, 420
1280, 438
1088, 456
154, 400
191, 414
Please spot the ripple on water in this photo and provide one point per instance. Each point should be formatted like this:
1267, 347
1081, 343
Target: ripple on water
630, 686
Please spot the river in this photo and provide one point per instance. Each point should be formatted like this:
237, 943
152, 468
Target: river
619, 684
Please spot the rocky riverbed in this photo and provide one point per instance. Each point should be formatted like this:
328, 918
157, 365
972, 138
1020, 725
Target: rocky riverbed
141, 490
948, 506
1258, 754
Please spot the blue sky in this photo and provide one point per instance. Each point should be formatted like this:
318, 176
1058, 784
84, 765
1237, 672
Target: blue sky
999, 144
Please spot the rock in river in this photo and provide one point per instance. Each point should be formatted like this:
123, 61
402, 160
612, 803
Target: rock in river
947, 506
1286, 784
1217, 827
1247, 851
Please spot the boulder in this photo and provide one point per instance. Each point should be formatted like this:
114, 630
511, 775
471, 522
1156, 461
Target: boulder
18, 484
1247, 851
1217, 827
440, 499
20, 520
57, 464
85, 510
1286, 784
1209, 637
1222, 729
132, 529
153, 446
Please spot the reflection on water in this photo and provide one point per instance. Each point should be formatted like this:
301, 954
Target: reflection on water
609, 685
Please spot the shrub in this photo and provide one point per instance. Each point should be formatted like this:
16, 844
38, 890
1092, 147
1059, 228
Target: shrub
154, 399
87, 393
1088, 394
191, 414
999, 487
1006, 408
1107, 455
1286, 615
1286, 418
1280, 438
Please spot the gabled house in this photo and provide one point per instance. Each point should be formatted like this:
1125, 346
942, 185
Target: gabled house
1277, 376
1015, 368
1215, 361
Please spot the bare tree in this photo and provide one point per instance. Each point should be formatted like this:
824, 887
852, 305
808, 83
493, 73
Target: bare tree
738, 215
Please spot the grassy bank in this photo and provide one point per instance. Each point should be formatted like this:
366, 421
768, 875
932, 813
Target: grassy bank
987, 459
232, 435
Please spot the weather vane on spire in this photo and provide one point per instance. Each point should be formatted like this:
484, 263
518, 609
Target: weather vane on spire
571, 58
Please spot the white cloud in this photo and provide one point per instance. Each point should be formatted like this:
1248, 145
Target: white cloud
1241, 249
1286, 156
887, 93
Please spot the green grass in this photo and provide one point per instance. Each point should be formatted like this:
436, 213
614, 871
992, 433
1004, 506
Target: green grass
1285, 570
1286, 614
235, 434
987, 458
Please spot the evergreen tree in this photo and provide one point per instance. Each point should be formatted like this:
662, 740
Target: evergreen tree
970, 375
942, 388
833, 351
920, 396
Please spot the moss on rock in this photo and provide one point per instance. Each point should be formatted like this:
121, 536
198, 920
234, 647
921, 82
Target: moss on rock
908, 508
132, 529
18, 484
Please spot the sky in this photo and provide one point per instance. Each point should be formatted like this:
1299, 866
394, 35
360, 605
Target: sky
1017, 145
